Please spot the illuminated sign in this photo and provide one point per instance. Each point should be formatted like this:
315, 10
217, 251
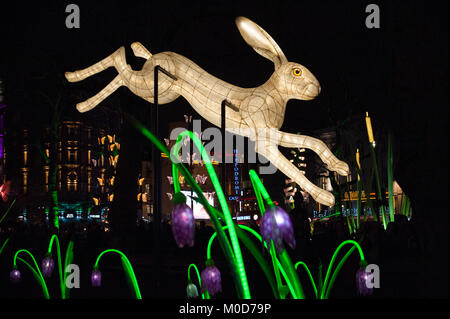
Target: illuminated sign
235, 184
197, 208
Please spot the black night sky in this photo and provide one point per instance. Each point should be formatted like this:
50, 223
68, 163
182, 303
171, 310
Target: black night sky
398, 73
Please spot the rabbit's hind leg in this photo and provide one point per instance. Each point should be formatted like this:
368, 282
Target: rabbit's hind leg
95, 68
92, 102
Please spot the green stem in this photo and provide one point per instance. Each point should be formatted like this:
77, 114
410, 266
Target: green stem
36, 271
336, 271
67, 261
7, 211
3, 246
128, 269
349, 226
358, 201
223, 240
327, 276
62, 284
310, 276
253, 250
378, 184
238, 260
367, 187
390, 174
408, 206
285, 261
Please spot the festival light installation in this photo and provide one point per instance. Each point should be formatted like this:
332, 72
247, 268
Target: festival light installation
211, 279
257, 113
96, 275
276, 226
183, 222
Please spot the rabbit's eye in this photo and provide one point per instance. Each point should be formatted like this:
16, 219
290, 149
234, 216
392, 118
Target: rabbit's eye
297, 72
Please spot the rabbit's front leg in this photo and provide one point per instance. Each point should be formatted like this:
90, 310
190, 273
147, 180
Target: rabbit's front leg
320, 148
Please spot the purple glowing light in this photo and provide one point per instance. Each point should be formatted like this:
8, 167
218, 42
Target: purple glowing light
47, 266
211, 280
277, 226
363, 280
183, 225
15, 276
96, 278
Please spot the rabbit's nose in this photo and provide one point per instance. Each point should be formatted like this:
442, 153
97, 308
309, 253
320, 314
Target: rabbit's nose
312, 91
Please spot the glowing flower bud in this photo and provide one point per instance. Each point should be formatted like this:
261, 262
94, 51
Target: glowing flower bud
191, 290
183, 222
47, 266
15, 275
362, 279
211, 280
96, 278
276, 226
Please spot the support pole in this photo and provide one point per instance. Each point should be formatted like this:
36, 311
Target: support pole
156, 158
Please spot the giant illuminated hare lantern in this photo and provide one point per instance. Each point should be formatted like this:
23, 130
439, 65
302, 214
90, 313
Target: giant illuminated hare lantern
255, 109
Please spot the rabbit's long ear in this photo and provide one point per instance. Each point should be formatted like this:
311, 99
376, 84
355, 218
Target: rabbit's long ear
260, 41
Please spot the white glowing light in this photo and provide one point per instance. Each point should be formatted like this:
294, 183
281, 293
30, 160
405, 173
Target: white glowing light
258, 113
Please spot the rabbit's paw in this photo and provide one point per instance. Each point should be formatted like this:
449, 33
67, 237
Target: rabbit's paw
339, 167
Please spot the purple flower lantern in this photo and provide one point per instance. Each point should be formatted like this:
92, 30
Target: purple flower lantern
276, 226
362, 278
96, 278
47, 266
15, 275
211, 280
183, 222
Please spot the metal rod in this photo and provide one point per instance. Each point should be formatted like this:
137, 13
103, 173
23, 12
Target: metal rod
156, 158
156, 187
222, 128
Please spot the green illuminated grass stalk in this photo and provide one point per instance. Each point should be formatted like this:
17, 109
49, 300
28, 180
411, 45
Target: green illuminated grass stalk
358, 201
256, 253
337, 270
180, 167
213, 213
7, 211
287, 266
378, 185
35, 270
4, 245
328, 284
252, 249
313, 283
62, 283
367, 188
238, 260
128, 269
325, 286
390, 174
68, 260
